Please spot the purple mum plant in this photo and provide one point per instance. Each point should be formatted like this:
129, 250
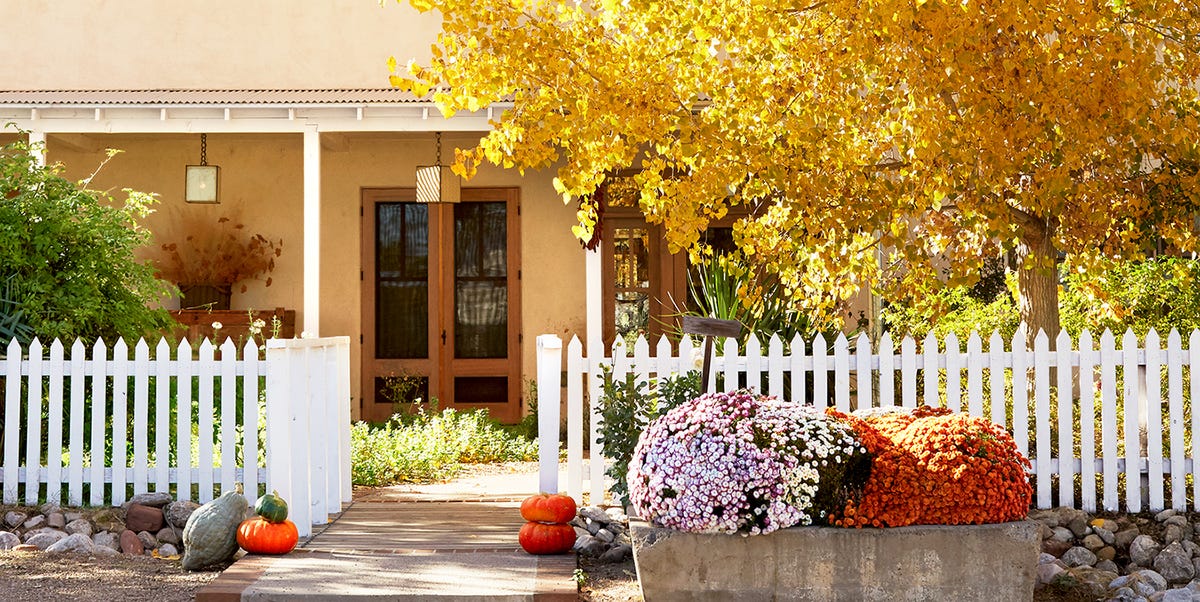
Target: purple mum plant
741, 462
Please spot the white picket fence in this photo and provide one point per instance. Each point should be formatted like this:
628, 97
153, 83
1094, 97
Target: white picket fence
1155, 437
306, 438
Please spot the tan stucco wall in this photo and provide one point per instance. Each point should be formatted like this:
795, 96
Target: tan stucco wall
262, 183
107, 44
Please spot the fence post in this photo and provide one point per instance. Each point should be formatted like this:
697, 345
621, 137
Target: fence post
343, 399
279, 473
549, 366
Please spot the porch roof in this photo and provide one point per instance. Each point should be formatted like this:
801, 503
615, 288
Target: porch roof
234, 110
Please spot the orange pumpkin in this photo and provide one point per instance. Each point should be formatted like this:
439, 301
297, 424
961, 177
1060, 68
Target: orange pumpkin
258, 536
548, 508
541, 538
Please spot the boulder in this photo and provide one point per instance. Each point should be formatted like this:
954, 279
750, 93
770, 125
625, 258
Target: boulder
110, 519
14, 518
148, 540
1079, 556
143, 518
167, 535
9, 540
107, 539
1124, 537
45, 539
168, 550
80, 525
1093, 542
56, 520
157, 499
1143, 549
616, 553
34, 521
131, 544
77, 543
177, 513
1175, 564
1048, 572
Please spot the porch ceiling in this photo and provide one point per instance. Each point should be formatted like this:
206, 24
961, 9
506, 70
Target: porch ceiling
194, 111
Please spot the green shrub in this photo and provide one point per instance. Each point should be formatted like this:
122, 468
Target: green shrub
627, 407
69, 268
430, 446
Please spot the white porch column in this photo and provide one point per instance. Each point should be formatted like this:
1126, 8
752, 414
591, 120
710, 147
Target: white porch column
594, 297
37, 146
312, 231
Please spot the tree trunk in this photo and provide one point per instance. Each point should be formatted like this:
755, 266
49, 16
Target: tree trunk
1037, 281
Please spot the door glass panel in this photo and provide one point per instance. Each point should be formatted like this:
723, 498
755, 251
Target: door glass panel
480, 389
480, 280
402, 281
632, 286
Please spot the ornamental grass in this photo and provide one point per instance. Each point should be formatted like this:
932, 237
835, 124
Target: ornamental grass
932, 467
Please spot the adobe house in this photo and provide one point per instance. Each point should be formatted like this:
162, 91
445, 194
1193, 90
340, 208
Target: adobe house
291, 101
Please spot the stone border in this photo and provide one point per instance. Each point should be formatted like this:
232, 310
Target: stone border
983, 563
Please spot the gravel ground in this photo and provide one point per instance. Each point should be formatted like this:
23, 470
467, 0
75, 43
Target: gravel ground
42, 577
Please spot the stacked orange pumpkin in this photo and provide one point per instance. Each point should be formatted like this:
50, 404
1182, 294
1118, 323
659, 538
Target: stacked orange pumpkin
547, 531
270, 532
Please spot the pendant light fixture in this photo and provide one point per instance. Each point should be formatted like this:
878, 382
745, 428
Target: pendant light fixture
437, 183
202, 180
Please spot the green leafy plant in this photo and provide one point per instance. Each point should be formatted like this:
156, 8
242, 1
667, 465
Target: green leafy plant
430, 445
69, 267
627, 406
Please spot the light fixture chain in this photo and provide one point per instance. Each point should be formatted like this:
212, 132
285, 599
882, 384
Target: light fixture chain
438, 137
204, 149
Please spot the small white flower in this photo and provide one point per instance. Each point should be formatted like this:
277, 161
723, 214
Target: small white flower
217, 326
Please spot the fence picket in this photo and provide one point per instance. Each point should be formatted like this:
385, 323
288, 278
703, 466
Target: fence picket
663, 360
575, 416
12, 420
1175, 420
754, 367
120, 413
796, 365
996, 378
1020, 391
141, 415
54, 417
887, 371
953, 373
931, 372
183, 419
1041, 394
1152, 424
974, 375
1133, 411
774, 366
75, 444
228, 430
1087, 421
820, 373
862, 371
1108, 417
1194, 382
33, 422
204, 434
841, 375
596, 467
97, 451
730, 349
908, 371
162, 416
641, 359
250, 420
1064, 402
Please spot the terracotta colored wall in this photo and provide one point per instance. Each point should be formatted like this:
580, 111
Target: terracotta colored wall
107, 44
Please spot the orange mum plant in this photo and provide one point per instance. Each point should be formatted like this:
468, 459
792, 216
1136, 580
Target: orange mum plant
933, 467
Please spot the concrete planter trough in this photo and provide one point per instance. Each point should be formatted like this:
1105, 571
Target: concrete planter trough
963, 563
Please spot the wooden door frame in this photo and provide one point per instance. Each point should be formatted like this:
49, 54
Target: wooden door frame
441, 302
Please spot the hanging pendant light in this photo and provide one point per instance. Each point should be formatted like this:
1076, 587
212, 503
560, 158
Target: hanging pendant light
202, 180
438, 183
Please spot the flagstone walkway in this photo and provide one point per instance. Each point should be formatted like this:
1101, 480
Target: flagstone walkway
451, 541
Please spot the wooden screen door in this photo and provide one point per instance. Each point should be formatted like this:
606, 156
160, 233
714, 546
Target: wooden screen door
441, 300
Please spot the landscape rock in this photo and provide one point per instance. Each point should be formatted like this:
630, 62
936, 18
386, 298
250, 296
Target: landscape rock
1174, 564
73, 516
25, 547
167, 535
49, 508
168, 550
9, 540
1055, 547
177, 513
34, 521
595, 514
77, 543
107, 539
56, 520
143, 518
156, 499
616, 554
1178, 594
1165, 514
1093, 542
1105, 535
1079, 556
149, 542
45, 539
1108, 565
1125, 537
1048, 572
605, 535
1062, 534
14, 518
131, 544
104, 551
79, 525
1143, 550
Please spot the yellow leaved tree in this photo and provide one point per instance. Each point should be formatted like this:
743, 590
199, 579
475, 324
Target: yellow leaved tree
883, 143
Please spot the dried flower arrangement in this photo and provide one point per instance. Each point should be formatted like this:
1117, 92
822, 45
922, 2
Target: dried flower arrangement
219, 253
